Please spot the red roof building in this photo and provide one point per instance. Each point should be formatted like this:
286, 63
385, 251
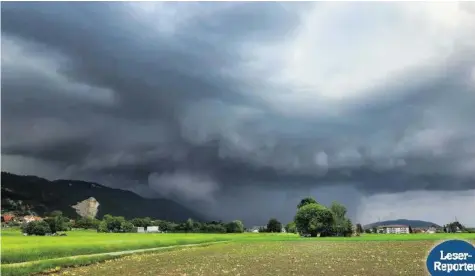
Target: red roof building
7, 217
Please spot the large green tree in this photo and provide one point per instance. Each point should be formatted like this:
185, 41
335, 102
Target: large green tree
166, 226
347, 228
142, 222
340, 222
274, 226
87, 223
235, 226
314, 219
113, 224
57, 222
127, 227
102, 227
359, 228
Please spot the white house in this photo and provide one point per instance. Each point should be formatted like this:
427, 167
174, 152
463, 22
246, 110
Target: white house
395, 229
255, 229
153, 229
431, 230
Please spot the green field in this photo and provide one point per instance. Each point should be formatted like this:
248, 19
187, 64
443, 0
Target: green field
42, 253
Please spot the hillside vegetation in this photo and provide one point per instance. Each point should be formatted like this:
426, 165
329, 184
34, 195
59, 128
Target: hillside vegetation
25, 194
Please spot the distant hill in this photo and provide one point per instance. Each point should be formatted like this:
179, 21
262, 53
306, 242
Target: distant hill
31, 193
412, 223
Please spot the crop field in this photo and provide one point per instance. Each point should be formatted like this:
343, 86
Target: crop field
275, 258
22, 255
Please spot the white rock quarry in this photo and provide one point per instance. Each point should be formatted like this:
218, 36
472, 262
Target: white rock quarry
87, 208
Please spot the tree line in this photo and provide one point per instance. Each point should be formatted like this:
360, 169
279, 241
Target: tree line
116, 224
56, 222
311, 219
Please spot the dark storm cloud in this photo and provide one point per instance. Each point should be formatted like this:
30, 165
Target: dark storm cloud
195, 100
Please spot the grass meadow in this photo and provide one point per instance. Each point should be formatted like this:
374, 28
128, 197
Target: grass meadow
23, 255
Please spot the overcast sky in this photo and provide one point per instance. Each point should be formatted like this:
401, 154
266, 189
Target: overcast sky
241, 109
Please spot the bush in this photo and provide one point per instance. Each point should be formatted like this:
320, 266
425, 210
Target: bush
291, 227
38, 228
13, 223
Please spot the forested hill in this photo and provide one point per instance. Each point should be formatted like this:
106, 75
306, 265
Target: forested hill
31, 193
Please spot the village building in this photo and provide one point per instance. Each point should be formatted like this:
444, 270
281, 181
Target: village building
394, 229
431, 230
256, 229
418, 230
28, 219
8, 218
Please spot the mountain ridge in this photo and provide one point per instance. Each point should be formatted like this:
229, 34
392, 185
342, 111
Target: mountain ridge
411, 222
42, 196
